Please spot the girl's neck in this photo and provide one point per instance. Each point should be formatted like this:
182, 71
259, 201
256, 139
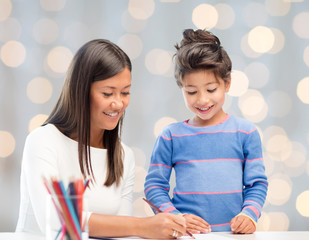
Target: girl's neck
198, 122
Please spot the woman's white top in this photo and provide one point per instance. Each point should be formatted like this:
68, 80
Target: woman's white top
50, 153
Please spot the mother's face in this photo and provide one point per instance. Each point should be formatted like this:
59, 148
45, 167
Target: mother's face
108, 100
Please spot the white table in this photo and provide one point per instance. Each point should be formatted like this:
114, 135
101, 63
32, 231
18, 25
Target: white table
290, 235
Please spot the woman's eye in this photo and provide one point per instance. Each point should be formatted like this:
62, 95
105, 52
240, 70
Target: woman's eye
107, 94
126, 93
212, 90
191, 93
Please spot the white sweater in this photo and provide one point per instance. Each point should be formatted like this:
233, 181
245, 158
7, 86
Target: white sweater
48, 152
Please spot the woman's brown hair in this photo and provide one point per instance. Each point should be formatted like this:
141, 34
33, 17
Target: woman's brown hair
201, 50
97, 60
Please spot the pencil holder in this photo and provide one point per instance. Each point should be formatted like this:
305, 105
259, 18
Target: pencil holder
66, 217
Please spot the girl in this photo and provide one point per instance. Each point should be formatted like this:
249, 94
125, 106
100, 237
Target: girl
217, 158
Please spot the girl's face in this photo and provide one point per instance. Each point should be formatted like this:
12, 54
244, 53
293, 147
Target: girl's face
204, 95
108, 100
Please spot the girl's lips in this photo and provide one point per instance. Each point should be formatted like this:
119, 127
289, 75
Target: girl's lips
205, 110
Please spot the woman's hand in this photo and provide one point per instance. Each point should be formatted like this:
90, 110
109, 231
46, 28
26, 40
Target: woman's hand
163, 225
242, 224
196, 224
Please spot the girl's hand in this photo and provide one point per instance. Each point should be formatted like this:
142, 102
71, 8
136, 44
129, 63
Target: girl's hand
196, 224
242, 224
163, 225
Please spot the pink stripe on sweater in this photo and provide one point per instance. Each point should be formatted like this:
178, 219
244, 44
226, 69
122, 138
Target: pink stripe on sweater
218, 225
155, 187
212, 132
159, 164
169, 209
208, 193
253, 202
256, 212
211, 160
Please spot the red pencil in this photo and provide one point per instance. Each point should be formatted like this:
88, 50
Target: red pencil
157, 209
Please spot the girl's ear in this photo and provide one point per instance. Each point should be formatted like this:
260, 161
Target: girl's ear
227, 85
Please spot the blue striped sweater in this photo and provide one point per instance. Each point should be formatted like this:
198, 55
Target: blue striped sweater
219, 171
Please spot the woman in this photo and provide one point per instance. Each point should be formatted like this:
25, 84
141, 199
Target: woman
81, 138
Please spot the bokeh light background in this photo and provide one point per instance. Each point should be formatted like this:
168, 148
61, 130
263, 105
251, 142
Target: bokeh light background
268, 42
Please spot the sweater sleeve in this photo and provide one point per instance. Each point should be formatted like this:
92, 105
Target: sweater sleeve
157, 181
255, 180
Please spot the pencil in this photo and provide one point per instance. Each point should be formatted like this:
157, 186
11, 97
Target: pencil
157, 209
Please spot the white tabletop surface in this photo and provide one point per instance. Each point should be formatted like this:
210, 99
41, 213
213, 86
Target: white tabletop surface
290, 235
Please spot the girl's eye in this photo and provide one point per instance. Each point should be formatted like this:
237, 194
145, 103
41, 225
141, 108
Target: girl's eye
125, 93
191, 93
107, 94
212, 90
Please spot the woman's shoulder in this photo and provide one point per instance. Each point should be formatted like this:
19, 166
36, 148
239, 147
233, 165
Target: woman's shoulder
45, 133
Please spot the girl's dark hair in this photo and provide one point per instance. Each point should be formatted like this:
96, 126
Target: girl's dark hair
201, 50
97, 60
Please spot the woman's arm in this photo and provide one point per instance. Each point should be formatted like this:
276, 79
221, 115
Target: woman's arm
161, 225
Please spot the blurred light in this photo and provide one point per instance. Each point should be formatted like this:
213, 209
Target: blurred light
279, 41
45, 31
280, 104
158, 61
140, 157
131, 24
39, 90
279, 146
254, 14
10, 29
171, 1
141, 9
279, 190
269, 164
7, 144
140, 175
226, 16
205, 16
258, 74
59, 59
52, 5
13, 53
277, 7
5, 9
239, 83
306, 56
252, 103
279, 221
263, 223
253, 106
246, 49
162, 123
302, 205
261, 39
303, 89
131, 44
295, 164
37, 121
300, 25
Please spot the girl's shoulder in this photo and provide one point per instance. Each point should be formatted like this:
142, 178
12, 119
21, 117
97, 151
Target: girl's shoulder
241, 123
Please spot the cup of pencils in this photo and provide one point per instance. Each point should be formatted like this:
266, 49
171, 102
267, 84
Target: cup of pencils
66, 210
